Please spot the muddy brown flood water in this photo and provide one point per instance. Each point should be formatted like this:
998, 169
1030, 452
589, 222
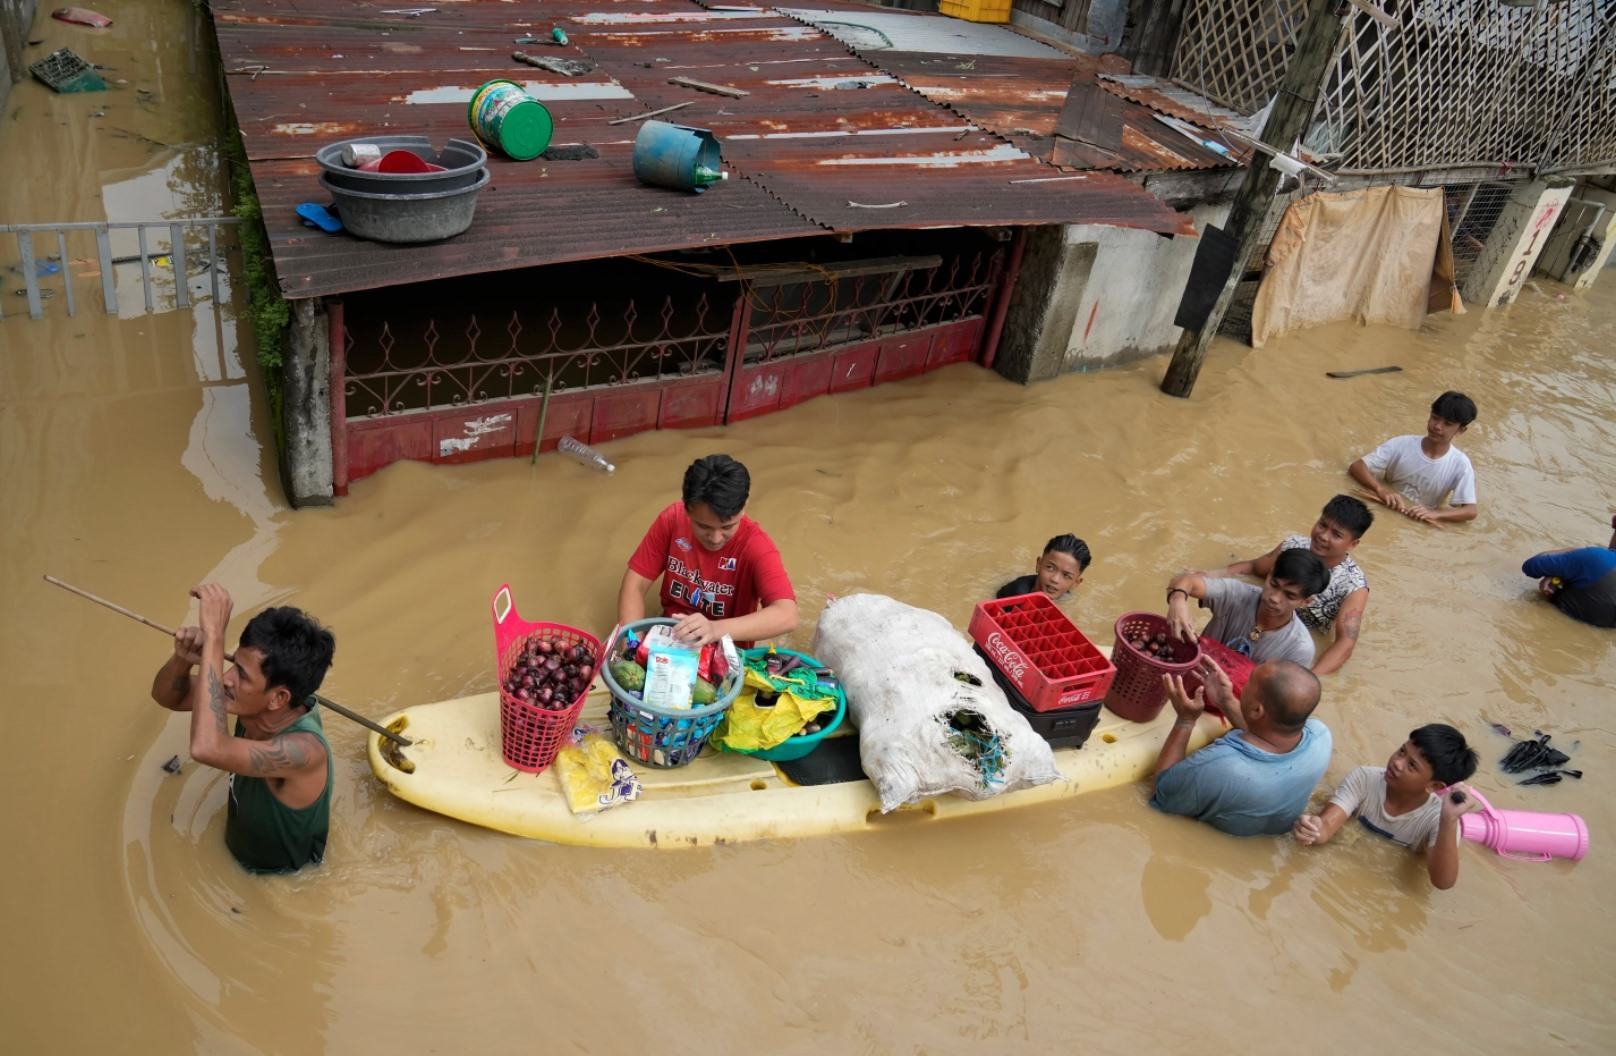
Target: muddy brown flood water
133, 461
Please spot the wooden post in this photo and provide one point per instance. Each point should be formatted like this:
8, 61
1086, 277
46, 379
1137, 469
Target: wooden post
1292, 112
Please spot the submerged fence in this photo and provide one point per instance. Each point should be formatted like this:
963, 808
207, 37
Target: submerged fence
45, 265
1453, 84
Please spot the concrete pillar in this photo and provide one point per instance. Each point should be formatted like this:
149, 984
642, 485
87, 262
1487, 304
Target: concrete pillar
1043, 306
16, 23
306, 406
1515, 242
1590, 213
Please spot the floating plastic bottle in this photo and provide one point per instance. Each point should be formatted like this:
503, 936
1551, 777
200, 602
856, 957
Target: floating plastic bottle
582, 452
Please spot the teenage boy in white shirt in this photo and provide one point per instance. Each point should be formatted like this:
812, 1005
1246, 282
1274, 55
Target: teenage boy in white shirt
1414, 474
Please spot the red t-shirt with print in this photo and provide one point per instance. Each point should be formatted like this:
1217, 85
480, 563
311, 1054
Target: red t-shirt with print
734, 581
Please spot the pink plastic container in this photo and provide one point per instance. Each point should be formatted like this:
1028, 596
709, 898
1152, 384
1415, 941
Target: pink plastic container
1525, 835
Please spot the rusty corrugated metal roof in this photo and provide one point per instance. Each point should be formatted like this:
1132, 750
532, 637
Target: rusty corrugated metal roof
821, 128
1023, 99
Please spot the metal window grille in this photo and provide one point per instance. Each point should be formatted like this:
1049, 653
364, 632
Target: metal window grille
409, 362
1473, 210
810, 316
1458, 83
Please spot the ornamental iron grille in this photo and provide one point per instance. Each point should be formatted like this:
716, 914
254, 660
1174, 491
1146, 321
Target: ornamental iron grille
1457, 83
407, 362
823, 312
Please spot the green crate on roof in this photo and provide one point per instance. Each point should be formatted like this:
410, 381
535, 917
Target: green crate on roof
64, 71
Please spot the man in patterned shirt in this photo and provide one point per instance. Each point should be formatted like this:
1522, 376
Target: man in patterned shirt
1342, 523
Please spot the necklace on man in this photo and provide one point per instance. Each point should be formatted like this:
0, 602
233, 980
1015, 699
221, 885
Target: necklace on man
1255, 633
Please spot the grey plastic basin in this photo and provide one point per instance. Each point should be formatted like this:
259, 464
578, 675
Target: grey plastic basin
426, 216
461, 159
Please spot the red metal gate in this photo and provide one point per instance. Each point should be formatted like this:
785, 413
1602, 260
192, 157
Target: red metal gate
416, 385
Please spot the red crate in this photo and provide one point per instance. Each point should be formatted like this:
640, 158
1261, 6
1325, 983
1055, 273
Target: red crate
1236, 666
1032, 643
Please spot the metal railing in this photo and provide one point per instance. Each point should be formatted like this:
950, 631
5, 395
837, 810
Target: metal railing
169, 232
408, 362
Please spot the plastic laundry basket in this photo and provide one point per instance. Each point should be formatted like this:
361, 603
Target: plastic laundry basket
659, 737
530, 735
1137, 693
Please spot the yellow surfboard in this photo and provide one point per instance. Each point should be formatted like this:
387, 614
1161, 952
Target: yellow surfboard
454, 768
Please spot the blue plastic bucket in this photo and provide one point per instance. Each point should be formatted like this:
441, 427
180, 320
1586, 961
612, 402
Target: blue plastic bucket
677, 156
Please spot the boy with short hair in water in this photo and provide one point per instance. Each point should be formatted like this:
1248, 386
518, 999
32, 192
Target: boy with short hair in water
1342, 602
1413, 474
1400, 800
1259, 622
1058, 571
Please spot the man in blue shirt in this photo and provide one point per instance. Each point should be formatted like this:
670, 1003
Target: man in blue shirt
1255, 780
1581, 582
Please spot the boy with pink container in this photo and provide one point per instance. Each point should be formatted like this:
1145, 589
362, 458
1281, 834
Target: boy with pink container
1400, 802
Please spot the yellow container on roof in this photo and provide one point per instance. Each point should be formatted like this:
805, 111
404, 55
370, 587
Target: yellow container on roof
976, 10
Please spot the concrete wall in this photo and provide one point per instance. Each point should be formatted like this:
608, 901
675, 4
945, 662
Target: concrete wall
1515, 242
1088, 296
1126, 308
16, 20
1582, 209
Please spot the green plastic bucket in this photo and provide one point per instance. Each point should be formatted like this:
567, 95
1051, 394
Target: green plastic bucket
509, 120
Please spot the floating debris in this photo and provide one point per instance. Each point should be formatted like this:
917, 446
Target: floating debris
64, 71
173, 765
1534, 754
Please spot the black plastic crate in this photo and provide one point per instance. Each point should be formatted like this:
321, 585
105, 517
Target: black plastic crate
1066, 728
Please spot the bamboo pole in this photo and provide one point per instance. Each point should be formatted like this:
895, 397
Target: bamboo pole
1293, 111
403, 742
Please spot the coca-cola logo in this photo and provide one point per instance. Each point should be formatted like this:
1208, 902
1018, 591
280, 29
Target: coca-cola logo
1008, 657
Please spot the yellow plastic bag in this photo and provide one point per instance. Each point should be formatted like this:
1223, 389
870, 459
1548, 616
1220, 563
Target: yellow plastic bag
593, 774
747, 727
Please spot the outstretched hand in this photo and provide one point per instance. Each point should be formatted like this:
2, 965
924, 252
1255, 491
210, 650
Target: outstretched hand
1184, 705
1216, 685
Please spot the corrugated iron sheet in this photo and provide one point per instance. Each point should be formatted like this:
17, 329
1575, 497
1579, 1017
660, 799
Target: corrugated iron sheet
820, 128
1023, 99
1168, 98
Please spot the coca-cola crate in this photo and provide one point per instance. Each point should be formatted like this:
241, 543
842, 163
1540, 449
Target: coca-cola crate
1041, 652
1065, 728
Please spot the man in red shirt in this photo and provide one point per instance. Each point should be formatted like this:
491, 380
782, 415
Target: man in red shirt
721, 573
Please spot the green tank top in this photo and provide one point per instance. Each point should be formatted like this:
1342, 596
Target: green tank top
267, 836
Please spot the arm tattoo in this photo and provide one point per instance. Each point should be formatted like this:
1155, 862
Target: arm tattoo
216, 699
279, 755
1349, 625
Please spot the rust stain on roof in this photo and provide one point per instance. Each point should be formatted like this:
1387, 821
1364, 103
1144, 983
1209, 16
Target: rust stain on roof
826, 140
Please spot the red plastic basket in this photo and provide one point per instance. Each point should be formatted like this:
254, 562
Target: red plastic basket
1236, 666
1137, 693
1041, 652
531, 735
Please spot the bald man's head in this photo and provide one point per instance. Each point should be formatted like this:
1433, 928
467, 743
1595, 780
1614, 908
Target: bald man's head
1287, 691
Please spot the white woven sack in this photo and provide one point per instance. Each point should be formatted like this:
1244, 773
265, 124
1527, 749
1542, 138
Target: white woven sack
898, 664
